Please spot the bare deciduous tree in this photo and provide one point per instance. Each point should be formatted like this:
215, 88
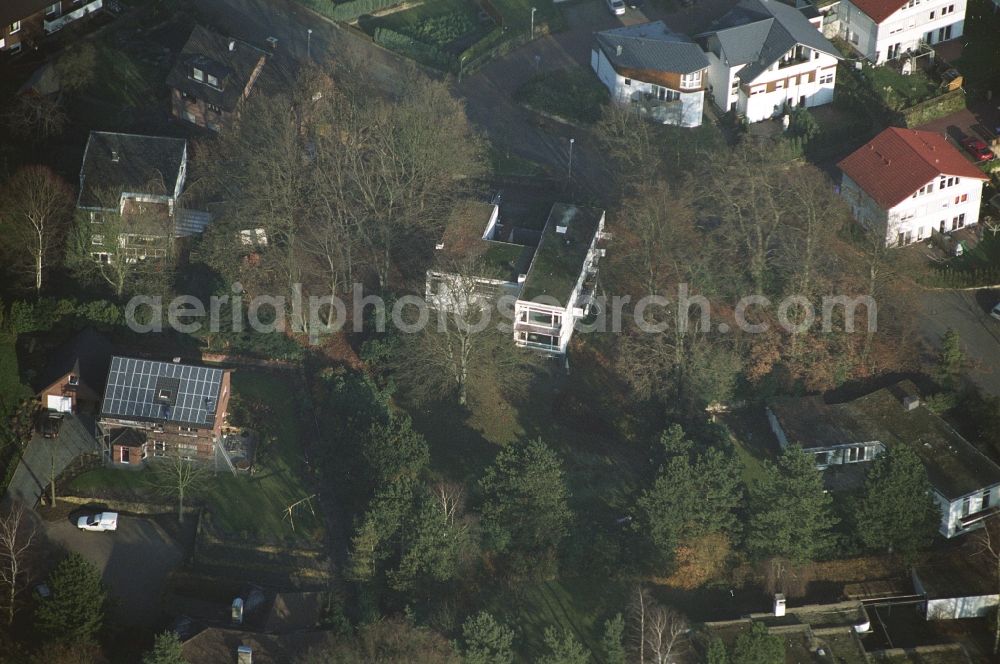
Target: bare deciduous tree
17, 536
450, 497
664, 627
989, 543
36, 207
178, 477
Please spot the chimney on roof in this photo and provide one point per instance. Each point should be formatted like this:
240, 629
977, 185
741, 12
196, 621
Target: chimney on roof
618, 49
779, 605
114, 156
910, 403
177, 360
232, 44
244, 655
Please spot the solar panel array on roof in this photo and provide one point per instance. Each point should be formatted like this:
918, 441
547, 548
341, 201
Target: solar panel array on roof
145, 390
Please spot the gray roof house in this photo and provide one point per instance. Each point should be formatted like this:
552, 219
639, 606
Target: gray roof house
766, 54
659, 71
212, 76
966, 482
140, 178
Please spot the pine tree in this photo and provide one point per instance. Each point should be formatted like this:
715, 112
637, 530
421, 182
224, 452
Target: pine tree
898, 511
563, 648
75, 611
487, 641
792, 514
166, 650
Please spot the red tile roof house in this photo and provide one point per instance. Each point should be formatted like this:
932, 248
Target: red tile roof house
908, 184
23, 22
882, 30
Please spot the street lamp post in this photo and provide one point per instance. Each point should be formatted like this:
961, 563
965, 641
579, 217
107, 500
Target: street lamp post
461, 67
569, 171
309, 34
533, 10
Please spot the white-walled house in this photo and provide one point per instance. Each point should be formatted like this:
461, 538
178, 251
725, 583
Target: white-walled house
659, 71
548, 276
882, 30
966, 483
909, 184
765, 56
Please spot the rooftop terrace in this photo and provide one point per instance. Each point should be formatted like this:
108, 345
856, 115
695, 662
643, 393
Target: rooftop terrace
562, 251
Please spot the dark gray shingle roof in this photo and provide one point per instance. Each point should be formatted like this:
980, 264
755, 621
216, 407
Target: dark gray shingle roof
129, 163
651, 46
758, 32
210, 52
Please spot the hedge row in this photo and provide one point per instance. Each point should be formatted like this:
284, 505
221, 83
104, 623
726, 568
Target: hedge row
976, 277
352, 9
413, 49
47, 312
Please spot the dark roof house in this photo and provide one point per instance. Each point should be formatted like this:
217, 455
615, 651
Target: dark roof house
131, 165
86, 356
212, 75
757, 33
150, 391
651, 47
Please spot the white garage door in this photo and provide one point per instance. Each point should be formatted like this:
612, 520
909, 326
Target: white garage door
61, 404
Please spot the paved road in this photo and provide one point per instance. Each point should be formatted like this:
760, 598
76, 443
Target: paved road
35, 468
134, 562
967, 312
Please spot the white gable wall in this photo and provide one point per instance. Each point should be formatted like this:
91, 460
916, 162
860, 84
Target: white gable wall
686, 112
932, 21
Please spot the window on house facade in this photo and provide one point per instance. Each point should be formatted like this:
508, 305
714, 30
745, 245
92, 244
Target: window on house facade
966, 505
826, 79
985, 500
15, 27
628, 81
965, 197
757, 91
212, 80
53, 10
97, 239
215, 109
197, 74
691, 80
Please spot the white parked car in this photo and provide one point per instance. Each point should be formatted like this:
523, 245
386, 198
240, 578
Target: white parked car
98, 522
617, 7
996, 311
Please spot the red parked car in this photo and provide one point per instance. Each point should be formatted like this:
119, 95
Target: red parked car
977, 149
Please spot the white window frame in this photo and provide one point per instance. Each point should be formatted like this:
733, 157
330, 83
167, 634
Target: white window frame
54, 10
197, 74
212, 80
15, 27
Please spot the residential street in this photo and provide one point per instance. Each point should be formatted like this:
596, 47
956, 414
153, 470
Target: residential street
967, 312
134, 562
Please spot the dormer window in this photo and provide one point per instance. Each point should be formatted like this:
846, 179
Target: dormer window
198, 74
212, 80
164, 395
74, 380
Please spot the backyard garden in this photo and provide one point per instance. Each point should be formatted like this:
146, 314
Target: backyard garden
250, 507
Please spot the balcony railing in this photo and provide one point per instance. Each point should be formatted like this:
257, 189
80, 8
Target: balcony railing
795, 60
58, 23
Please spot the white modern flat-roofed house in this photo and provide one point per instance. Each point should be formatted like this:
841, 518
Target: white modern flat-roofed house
549, 275
966, 483
766, 56
909, 184
882, 30
662, 73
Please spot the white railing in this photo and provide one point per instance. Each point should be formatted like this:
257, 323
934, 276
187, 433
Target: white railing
60, 22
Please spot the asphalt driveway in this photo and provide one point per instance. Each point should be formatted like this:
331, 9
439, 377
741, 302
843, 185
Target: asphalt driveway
40, 456
134, 562
967, 312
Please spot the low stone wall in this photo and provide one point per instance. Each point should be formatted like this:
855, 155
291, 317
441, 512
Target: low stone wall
128, 506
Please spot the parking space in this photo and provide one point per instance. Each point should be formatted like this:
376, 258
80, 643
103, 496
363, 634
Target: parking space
134, 562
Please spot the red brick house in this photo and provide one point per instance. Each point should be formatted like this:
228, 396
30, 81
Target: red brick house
156, 409
73, 379
211, 78
24, 22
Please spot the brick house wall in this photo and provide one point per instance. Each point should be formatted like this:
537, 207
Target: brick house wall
32, 27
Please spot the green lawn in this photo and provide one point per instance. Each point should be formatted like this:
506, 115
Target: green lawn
900, 91
244, 506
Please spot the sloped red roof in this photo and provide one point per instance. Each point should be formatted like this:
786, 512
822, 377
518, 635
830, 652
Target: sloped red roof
897, 162
879, 10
